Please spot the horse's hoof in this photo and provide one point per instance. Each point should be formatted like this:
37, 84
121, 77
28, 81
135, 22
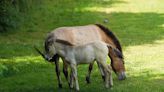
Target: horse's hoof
88, 80
77, 90
70, 86
107, 86
111, 88
103, 77
111, 85
60, 85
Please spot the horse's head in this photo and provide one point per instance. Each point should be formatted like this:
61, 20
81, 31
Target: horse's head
50, 51
117, 63
45, 56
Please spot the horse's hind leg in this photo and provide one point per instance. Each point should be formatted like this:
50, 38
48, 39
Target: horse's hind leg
89, 72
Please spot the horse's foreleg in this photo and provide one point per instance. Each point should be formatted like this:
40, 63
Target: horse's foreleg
58, 72
89, 72
101, 71
106, 71
110, 76
74, 72
71, 79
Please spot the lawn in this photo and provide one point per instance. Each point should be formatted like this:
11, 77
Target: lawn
139, 25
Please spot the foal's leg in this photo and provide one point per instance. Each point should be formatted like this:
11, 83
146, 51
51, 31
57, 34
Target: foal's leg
56, 59
101, 71
65, 70
106, 71
90, 69
89, 72
74, 72
110, 76
71, 79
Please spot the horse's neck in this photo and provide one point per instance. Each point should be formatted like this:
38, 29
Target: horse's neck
63, 50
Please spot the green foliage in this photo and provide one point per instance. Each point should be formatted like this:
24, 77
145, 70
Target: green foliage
9, 15
13, 13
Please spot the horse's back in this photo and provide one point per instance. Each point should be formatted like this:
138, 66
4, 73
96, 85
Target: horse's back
78, 35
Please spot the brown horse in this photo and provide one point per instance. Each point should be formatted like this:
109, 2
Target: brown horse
80, 35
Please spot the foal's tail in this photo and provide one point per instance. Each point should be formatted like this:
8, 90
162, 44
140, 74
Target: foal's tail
39, 51
115, 51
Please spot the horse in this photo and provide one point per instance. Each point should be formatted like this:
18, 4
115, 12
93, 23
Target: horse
83, 54
79, 35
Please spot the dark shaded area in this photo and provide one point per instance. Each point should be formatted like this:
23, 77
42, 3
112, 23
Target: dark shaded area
130, 28
13, 13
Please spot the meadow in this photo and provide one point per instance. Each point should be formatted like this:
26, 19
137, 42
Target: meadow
138, 24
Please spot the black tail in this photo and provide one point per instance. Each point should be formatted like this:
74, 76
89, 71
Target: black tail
39, 52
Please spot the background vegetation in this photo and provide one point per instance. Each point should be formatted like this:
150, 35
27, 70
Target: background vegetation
139, 25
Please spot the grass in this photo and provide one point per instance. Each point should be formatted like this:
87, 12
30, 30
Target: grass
138, 24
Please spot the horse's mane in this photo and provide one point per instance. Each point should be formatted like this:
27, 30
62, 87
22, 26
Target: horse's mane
111, 35
64, 42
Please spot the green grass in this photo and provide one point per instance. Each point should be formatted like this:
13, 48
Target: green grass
138, 24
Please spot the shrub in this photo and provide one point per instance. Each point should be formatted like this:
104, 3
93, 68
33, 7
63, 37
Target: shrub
13, 12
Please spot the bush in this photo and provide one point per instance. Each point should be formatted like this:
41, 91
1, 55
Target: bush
13, 12
8, 15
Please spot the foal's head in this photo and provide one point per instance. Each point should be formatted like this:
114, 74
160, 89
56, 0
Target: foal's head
117, 63
49, 50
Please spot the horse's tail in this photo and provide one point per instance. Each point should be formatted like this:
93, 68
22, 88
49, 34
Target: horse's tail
111, 35
39, 51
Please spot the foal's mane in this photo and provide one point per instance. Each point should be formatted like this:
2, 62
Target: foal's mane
112, 36
64, 42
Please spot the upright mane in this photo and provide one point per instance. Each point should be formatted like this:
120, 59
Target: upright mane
64, 42
111, 35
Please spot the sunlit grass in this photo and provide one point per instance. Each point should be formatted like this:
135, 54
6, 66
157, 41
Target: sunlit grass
146, 58
131, 6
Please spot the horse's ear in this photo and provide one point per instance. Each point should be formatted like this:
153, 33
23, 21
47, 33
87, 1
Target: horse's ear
115, 51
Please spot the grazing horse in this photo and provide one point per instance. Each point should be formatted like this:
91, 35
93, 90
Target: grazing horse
80, 35
82, 54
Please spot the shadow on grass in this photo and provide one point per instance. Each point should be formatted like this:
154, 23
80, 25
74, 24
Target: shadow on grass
42, 78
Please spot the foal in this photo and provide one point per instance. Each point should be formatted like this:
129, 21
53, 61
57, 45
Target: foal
84, 54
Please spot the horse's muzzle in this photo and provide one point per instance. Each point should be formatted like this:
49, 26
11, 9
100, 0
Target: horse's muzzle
122, 76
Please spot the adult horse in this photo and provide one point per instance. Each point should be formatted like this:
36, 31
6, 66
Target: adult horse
79, 35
